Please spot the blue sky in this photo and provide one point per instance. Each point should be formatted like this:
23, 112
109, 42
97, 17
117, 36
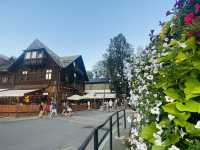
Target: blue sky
71, 27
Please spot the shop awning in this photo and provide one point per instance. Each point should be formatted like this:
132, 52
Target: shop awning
3, 90
75, 97
98, 91
16, 93
100, 96
92, 96
106, 96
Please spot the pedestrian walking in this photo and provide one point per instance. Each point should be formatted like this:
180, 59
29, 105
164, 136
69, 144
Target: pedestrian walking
110, 105
69, 111
53, 109
41, 108
88, 104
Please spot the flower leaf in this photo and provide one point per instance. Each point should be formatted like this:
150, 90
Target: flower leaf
190, 106
147, 132
171, 108
174, 93
192, 88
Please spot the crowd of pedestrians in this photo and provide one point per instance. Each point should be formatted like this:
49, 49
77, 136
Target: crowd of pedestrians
112, 105
52, 112
108, 105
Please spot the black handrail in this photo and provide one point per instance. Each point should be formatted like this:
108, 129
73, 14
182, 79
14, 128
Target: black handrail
94, 133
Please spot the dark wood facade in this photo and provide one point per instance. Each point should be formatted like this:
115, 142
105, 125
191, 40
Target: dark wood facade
40, 68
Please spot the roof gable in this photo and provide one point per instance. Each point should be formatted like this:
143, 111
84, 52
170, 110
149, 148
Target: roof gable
62, 62
67, 60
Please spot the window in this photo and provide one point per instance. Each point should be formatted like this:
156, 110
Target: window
74, 75
34, 55
48, 74
39, 54
28, 55
4, 79
24, 72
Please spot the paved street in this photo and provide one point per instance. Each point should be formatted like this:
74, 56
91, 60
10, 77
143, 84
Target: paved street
49, 134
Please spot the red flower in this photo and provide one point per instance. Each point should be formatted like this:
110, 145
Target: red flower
189, 18
197, 8
190, 34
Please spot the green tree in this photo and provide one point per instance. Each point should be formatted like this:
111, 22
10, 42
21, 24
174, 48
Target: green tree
117, 55
100, 70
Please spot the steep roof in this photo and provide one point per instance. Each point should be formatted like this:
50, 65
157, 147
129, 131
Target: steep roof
37, 44
3, 60
4, 66
60, 61
67, 60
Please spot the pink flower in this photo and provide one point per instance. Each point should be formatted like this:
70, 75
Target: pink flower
197, 8
189, 18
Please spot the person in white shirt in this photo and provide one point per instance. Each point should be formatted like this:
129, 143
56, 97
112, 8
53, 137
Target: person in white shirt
110, 105
88, 103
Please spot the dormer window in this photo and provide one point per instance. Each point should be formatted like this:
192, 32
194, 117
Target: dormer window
34, 55
40, 54
28, 55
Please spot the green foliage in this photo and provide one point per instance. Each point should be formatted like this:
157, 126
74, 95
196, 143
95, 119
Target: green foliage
172, 109
174, 93
148, 131
118, 52
156, 147
194, 146
188, 106
178, 49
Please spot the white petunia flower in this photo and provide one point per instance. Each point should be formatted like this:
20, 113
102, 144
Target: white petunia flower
165, 45
169, 99
171, 117
173, 148
166, 39
159, 104
197, 125
134, 131
182, 133
158, 140
150, 77
155, 111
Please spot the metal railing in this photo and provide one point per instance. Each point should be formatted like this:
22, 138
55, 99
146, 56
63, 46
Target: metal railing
94, 135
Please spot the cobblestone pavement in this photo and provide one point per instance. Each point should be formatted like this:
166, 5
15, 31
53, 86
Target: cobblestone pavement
49, 134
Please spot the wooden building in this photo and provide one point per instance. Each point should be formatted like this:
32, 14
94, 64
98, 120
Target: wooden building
39, 74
